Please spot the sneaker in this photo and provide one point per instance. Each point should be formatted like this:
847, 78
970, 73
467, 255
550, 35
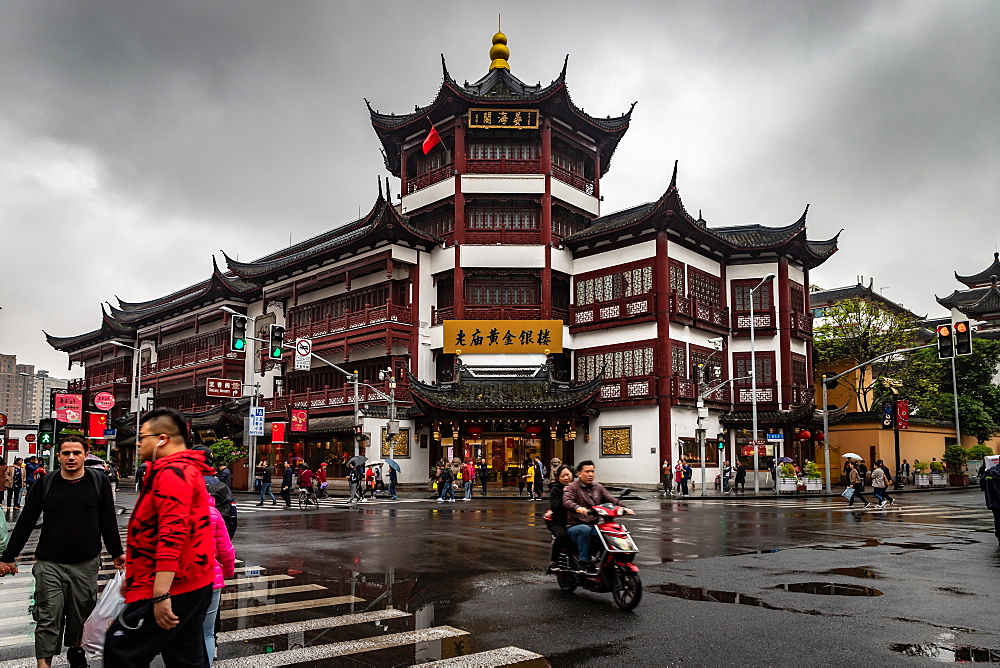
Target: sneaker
440, 500
451, 500
868, 505
892, 501
880, 505
260, 504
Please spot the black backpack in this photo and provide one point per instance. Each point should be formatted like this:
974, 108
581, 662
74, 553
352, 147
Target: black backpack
223, 501
96, 477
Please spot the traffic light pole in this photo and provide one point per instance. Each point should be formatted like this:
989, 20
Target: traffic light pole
954, 395
353, 376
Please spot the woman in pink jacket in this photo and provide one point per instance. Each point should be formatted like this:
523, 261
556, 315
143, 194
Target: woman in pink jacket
225, 560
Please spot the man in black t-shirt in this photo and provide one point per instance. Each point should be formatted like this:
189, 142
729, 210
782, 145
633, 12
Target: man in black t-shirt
79, 512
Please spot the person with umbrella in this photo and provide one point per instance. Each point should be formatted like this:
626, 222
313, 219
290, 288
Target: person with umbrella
857, 482
393, 469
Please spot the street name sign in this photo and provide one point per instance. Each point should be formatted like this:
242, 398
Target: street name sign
256, 421
224, 387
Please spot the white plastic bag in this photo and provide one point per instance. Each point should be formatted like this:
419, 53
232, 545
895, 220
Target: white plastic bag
109, 605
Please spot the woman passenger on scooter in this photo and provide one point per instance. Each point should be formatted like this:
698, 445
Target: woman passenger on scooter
555, 518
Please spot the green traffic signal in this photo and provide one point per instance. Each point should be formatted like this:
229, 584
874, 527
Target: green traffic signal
239, 344
276, 338
276, 353
46, 438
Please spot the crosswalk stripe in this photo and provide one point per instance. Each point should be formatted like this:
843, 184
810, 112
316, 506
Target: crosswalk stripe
258, 578
504, 656
13, 621
293, 605
10, 603
243, 635
14, 641
273, 591
329, 651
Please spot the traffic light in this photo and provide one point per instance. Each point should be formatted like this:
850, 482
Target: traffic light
46, 432
359, 434
963, 338
276, 342
946, 342
238, 333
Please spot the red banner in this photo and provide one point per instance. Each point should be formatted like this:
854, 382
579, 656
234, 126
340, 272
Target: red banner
300, 420
278, 432
13, 443
96, 424
902, 414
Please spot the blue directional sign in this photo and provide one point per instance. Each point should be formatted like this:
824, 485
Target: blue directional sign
256, 421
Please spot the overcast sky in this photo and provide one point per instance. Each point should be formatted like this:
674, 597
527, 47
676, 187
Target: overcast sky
139, 138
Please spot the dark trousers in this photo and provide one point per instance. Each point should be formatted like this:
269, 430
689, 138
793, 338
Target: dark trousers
996, 522
684, 486
286, 494
561, 541
126, 646
482, 481
14, 495
858, 496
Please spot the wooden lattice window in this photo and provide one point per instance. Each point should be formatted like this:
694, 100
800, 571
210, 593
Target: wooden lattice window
438, 223
800, 377
761, 297
705, 287
612, 286
335, 307
483, 218
486, 290
629, 363
700, 356
678, 360
677, 278
798, 295
509, 150
765, 367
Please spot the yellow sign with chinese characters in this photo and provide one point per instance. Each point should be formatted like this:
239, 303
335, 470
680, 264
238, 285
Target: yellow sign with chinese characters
469, 337
507, 119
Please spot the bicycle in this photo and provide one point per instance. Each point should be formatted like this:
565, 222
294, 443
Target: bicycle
307, 495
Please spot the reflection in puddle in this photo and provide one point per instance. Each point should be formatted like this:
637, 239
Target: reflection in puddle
949, 654
829, 589
710, 595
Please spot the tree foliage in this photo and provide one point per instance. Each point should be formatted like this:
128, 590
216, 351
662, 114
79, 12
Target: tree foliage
225, 452
854, 331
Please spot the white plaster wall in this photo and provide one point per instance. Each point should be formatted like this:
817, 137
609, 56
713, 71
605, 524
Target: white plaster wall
414, 468
562, 260
643, 467
428, 195
611, 336
577, 198
442, 259
427, 298
700, 337
641, 251
529, 257
507, 183
796, 274
689, 257
341, 288
759, 270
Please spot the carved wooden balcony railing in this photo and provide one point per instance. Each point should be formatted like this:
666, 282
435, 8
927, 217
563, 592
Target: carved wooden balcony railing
767, 393
117, 370
686, 388
190, 358
337, 396
503, 237
802, 325
618, 310
421, 181
802, 395
323, 324
193, 400
692, 311
438, 316
573, 179
643, 387
503, 166
763, 320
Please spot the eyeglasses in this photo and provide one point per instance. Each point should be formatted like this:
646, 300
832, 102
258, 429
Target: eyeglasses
142, 436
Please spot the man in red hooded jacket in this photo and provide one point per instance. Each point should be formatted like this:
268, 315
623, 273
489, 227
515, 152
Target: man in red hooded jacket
170, 553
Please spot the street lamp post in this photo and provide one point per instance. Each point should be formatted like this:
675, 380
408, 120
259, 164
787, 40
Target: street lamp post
52, 446
717, 344
753, 387
138, 392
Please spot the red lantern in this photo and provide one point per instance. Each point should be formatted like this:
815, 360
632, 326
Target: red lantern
474, 430
533, 430
804, 435
820, 437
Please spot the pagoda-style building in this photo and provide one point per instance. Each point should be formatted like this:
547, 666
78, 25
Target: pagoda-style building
516, 318
981, 300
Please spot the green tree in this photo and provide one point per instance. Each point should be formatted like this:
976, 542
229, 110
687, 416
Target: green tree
854, 331
225, 452
980, 451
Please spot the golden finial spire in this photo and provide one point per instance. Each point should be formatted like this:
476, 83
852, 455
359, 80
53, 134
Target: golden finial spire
499, 53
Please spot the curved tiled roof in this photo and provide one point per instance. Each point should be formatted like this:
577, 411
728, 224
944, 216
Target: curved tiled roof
802, 414
110, 329
975, 302
505, 396
985, 276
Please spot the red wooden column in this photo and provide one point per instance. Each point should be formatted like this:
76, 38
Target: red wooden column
597, 175
661, 288
546, 236
784, 326
459, 309
809, 344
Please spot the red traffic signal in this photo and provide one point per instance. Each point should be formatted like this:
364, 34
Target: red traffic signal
945, 342
963, 337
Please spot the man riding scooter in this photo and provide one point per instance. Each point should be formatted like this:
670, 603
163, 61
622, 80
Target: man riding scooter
578, 498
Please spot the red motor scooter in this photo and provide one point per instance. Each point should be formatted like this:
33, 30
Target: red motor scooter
615, 573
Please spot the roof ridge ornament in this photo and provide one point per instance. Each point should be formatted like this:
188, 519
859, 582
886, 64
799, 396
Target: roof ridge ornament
499, 53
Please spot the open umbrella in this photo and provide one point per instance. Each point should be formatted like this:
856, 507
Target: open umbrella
357, 460
851, 455
393, 465
785, 460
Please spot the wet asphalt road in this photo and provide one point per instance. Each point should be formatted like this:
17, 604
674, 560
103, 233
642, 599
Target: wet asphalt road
717, 578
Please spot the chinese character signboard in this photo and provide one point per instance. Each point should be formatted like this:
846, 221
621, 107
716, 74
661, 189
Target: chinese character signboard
256, 426
503, 336
69, 407
224, 387
506, 119
300, 420
3, 420
104, 401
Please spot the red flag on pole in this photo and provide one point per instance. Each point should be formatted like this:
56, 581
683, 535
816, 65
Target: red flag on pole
432, 139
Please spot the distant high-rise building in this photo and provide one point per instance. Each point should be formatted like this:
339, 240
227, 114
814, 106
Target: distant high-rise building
41, 407
24, 393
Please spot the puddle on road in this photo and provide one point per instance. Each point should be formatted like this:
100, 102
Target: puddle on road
829, 589
863, 572
710, 595
948, 653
